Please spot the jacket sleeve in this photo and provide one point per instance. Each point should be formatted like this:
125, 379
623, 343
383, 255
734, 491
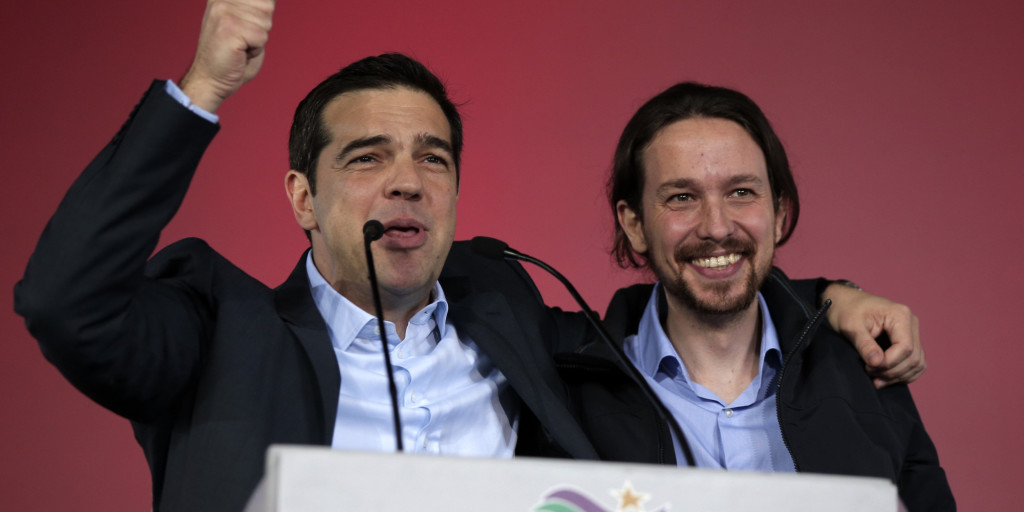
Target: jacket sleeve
128, 342
922, 482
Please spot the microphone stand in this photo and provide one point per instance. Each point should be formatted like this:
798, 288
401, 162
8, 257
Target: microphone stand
372, 231
495, 248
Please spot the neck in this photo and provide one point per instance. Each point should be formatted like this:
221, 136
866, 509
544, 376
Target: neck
401, 310
721, 353
398, 308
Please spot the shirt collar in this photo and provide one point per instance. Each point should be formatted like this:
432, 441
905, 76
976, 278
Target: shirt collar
656, 354
346, 321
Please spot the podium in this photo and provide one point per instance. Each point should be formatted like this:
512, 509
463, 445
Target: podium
308, 479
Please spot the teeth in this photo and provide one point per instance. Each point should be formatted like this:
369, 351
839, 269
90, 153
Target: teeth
716, 262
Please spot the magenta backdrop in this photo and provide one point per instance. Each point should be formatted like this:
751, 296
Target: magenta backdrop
902, 121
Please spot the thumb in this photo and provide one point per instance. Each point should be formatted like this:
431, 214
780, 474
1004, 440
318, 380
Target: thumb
868, 348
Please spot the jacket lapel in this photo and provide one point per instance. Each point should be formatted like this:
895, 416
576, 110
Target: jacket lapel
295, 305
486, 318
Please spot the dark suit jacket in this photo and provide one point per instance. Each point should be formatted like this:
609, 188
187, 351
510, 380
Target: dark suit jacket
210, 365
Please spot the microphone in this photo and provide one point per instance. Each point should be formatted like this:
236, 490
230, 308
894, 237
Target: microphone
496, 249
372, 231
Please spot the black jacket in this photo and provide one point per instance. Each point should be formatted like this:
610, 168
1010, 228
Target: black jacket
833, 420
209, 364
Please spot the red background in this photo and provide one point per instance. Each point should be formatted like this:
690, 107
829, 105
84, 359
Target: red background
902, 120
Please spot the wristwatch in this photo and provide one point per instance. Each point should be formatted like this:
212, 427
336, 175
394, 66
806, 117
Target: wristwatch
847, 282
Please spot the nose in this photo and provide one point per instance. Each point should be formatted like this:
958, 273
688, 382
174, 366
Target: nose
714, 222
405, 181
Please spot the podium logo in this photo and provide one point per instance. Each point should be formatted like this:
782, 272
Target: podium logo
568, 499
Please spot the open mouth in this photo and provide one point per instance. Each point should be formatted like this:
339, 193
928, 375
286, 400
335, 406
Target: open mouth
402, 231
717, 262
405, 233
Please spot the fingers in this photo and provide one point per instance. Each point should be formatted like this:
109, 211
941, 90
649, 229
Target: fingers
247, 20
869, 349
231, 49
861, 317
906, 371
905, 359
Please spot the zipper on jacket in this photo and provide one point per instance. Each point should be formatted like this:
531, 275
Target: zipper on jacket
809, 328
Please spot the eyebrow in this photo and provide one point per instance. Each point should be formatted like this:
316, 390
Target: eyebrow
745, 178
674, 185
358, 144
433, 141
688, 182
424, 139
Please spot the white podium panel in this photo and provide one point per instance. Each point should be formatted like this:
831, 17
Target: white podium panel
308, 479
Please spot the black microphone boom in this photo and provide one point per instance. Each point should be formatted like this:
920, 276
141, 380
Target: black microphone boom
372, 231
496, 249
489, 247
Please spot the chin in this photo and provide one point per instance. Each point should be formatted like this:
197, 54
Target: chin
720, 299
406, 285
721, 306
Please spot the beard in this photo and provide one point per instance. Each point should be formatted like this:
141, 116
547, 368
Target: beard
715, 304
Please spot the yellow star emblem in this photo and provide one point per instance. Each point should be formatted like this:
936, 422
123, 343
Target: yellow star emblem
630, 499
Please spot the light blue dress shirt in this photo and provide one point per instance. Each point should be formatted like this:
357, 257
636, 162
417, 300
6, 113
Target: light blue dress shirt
744, 434
450, 394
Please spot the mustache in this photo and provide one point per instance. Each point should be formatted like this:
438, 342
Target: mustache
707, 248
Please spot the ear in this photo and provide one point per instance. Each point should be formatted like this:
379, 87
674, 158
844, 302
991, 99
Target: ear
780, 218
632, 225
301, 198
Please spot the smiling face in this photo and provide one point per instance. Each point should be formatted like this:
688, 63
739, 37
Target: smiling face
389, 159
708, 226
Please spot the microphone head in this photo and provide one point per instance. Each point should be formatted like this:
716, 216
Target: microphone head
489, 247
373, 230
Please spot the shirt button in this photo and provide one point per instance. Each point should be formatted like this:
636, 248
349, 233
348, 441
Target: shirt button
728, 413
376, 330
415, 398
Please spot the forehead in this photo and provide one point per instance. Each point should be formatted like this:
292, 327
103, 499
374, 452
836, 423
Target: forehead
704, 151
393, 111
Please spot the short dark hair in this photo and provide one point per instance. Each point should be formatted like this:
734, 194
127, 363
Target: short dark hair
682, 101
309, 135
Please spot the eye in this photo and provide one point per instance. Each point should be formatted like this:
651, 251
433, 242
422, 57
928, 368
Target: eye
434, 159
680, 198
743, 192
363, 159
